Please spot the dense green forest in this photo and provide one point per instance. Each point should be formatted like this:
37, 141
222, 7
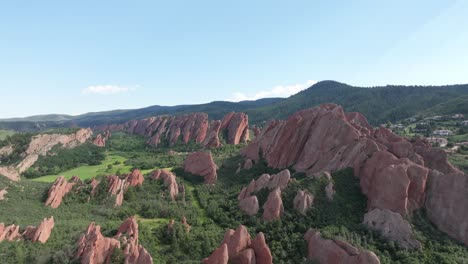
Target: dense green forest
378, 104
209, 209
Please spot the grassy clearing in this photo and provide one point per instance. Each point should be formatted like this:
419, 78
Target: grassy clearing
88, 172
5, 133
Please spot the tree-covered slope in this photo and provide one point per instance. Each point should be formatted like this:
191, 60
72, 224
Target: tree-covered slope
378, 104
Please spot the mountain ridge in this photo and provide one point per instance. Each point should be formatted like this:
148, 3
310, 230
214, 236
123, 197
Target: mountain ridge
379, 103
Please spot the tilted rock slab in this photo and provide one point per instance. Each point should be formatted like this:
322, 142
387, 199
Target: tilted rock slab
169, 180
59, 189
31, 233
393, 227
336, 251
237, 247
94, 248
201, 163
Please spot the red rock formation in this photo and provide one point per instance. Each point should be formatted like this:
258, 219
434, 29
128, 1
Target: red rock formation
237, 126
133, 251
212, 138
313, 140
202, 164
336, 251
59, 189
94, 248
446, 204
99, 141
262, 251
393, 227
40, 233
392, 170
237, 247
279, 180
303, 201
135, 178
219, 256
273, 207
9, 233
249, 205
117, 187
392, 183
94, 184
169, 180
31, 233
248, 202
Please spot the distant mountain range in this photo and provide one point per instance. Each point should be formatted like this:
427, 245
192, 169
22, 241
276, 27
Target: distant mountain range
379, 104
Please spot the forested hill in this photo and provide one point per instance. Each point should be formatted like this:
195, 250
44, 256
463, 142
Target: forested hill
379, 104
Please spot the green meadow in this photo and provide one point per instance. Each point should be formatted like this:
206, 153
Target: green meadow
112, 164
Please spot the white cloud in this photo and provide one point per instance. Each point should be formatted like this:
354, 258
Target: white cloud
106, 89
277, 91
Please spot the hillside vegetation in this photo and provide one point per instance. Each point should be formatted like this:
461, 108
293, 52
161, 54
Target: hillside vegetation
209, 209
379, 104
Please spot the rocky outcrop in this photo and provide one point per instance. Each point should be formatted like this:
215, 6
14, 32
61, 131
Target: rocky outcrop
336, 251
3, 194
6, 151
9, 233
249, 205
273, 208
94, 248
185, 128
219, 256
237, 127
59, 189
40, 233
169, 180
446, 203
393, 183
303, 201
261, 249
201, 164
313, 140
212, 137
133, 251
248, 202
392, 227
31, 233
393, 171
135, 178
117, 188
40, 145
10, 173
99, 141
237, 247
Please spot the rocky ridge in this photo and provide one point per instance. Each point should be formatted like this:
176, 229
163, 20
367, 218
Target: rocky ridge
34, 234
393, 171
193, 127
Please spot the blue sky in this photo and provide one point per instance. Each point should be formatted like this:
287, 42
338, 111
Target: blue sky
79, 56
